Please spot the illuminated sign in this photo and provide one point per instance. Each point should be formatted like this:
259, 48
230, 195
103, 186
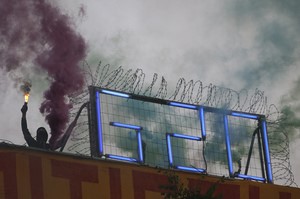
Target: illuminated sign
123, 111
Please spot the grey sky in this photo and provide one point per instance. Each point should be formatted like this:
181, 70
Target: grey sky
231, 43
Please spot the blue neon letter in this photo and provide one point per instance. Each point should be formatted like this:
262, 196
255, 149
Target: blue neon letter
228, 148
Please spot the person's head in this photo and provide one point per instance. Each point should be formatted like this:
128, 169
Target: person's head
41, 135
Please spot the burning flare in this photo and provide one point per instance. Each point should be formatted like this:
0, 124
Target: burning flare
26, 97
26, 87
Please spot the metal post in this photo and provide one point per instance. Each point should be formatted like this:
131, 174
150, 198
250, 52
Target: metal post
250, 151
261, 154
94, 145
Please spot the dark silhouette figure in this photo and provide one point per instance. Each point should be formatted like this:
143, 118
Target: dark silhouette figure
41, 133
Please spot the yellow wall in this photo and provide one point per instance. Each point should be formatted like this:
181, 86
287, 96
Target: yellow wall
28, 173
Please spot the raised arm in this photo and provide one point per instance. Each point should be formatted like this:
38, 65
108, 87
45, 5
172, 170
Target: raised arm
29, 139
62, 142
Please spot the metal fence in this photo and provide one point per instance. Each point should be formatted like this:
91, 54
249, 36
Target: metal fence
133, 81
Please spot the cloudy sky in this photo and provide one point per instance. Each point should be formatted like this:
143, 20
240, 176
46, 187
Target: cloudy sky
231, 43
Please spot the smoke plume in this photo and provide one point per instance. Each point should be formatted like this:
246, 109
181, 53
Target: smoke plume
290, 119
35, 32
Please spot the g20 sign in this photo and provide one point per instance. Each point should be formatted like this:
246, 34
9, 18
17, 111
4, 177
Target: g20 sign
110, 110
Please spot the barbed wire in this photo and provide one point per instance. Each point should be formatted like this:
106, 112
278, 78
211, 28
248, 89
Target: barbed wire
192, 92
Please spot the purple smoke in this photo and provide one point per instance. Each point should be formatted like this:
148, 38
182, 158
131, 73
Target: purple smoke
36, 30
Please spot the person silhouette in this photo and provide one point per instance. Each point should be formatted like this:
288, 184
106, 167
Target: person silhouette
41, 133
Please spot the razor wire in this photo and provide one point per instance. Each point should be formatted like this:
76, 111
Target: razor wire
192, 92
